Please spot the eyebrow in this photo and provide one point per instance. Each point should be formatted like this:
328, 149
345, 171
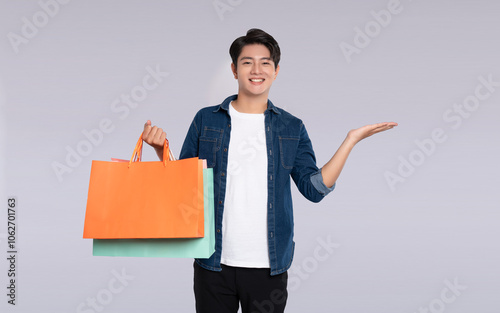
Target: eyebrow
250, 58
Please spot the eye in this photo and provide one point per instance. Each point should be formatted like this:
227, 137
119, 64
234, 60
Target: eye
247, 62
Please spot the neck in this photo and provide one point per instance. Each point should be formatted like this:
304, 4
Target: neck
253, 104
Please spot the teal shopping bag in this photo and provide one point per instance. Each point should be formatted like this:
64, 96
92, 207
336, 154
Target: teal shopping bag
168, 247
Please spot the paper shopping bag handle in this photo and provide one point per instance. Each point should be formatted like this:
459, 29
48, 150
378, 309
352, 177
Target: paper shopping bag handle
136, 156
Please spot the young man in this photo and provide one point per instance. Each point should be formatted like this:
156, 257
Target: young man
254, 149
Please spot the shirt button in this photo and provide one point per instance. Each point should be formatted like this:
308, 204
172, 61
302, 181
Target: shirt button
220, 202
218, 230
228, 125
222, 174
225, 149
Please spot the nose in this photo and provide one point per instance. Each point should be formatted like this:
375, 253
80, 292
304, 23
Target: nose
256, 68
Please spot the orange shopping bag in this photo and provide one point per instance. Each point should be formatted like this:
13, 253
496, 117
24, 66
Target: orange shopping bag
162, 199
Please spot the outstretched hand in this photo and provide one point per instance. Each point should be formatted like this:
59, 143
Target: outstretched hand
331, 170
356, 135
155, 137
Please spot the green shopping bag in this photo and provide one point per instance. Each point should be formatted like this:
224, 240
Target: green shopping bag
168, 247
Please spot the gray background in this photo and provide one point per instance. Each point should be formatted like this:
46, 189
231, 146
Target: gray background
396, 247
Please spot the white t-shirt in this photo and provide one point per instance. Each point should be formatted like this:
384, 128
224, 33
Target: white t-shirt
244, 222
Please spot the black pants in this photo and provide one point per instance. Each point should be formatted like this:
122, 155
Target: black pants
255, 288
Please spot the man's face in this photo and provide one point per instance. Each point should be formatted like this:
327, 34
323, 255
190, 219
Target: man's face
255, 71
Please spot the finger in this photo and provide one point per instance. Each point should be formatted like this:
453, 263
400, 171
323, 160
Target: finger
392, 124
375, 128
384, 126
157, 136
163, 137
150, 135
147, 129
381, 129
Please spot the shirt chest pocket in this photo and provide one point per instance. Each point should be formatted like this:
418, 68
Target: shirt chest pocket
288, 150
209, 144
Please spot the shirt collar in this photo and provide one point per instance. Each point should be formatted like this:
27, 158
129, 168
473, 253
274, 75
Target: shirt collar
225, 105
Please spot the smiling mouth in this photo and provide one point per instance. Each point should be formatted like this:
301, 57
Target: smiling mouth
259, 80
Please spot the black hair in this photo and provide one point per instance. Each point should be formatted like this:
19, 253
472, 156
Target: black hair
255, 36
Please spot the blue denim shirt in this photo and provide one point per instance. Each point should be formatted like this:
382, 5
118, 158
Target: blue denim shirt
289, 154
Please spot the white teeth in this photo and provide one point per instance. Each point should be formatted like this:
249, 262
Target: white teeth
257, 80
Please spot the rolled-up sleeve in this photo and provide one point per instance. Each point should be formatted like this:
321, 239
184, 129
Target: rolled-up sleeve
317, 181
305, 173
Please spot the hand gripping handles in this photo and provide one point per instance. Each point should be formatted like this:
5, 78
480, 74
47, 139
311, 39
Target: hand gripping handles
136, 156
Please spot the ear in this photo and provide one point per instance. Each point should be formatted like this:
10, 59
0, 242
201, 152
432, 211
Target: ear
276, 72
233, 69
